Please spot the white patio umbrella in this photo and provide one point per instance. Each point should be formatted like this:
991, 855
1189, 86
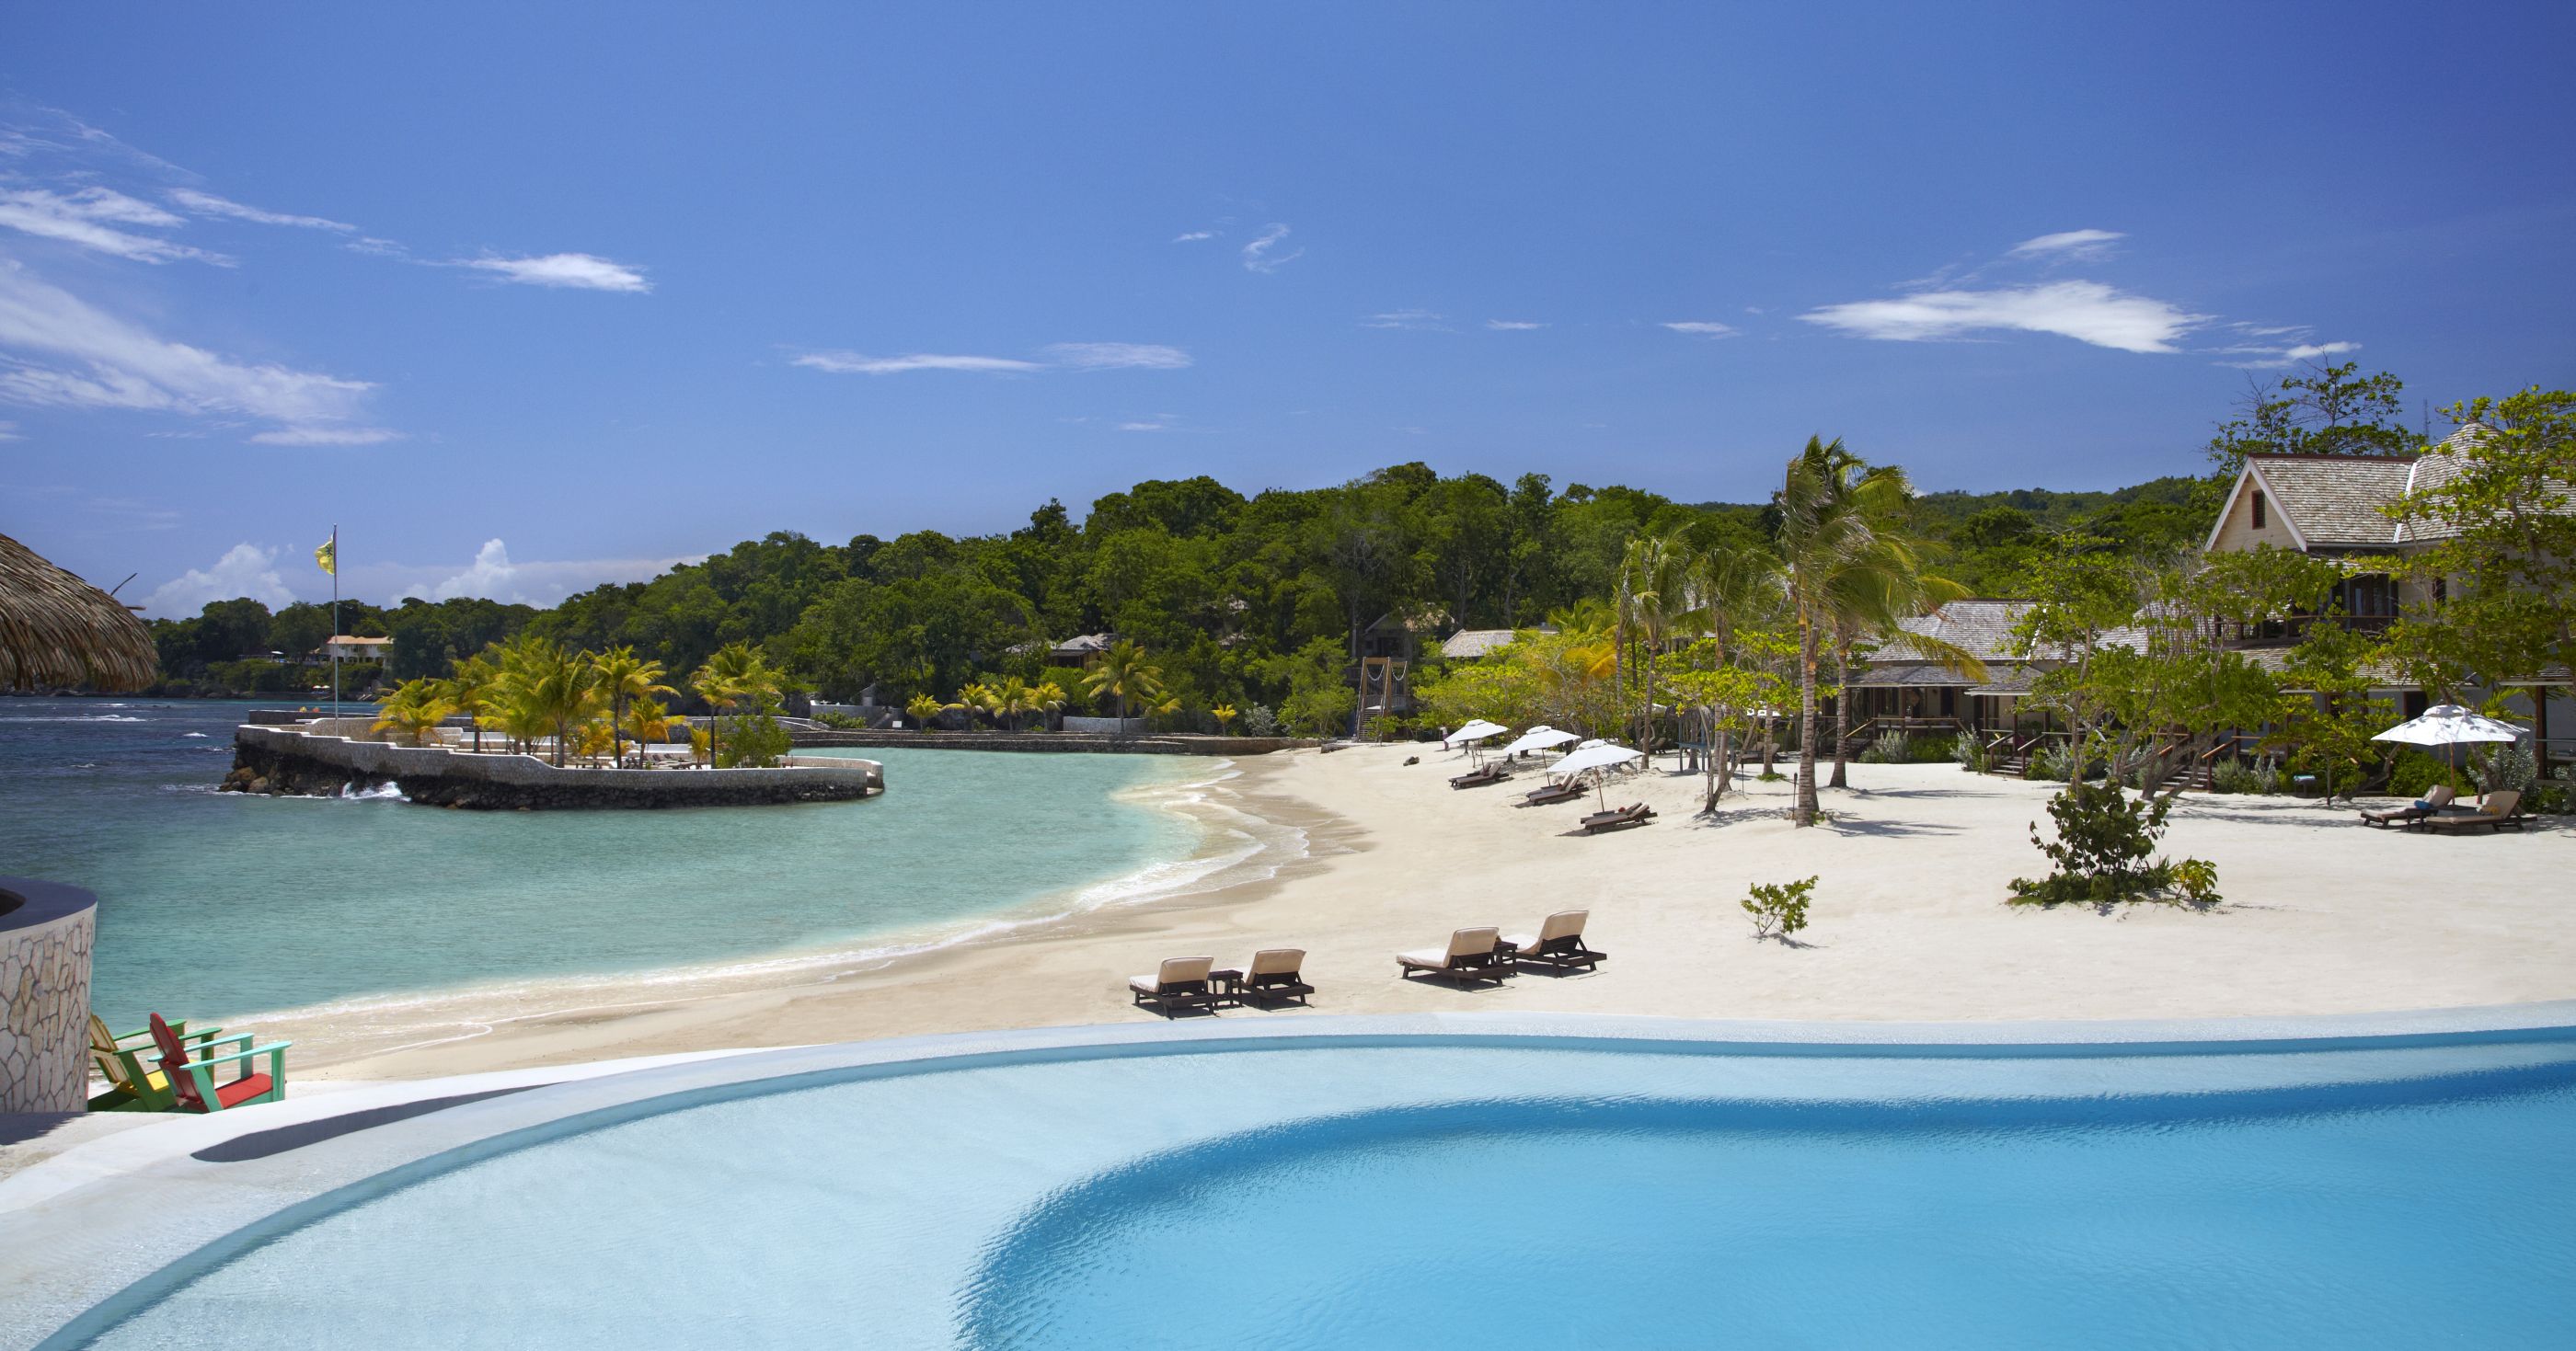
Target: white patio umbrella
1477, 729
1537, 739
2450, 725
1597, 757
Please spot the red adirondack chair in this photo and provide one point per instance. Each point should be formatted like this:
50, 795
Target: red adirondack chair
192, 1082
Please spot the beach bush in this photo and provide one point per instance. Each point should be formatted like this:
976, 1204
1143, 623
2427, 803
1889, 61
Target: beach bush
753, 740
1888, 749
2105, 852
2510, 769
2413, 773
1971, 754
1258, 720
1778, 909
2231, 776
842, 722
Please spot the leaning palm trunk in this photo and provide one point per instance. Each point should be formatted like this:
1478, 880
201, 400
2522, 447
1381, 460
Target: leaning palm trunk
1842, 712
1806, 808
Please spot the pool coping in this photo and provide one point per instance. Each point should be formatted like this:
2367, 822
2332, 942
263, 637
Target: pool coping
93, 1234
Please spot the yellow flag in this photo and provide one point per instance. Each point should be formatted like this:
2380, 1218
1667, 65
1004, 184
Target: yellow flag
329, 556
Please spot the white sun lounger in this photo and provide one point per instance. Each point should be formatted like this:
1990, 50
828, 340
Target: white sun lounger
1181, 982
1469, 957
1558, 943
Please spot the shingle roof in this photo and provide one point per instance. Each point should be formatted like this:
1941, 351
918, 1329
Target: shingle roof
1467, 644
2335, 501
1982, 627
1894, 675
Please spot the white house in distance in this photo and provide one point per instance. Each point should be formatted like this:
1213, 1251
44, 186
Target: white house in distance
2336, 506
347, 648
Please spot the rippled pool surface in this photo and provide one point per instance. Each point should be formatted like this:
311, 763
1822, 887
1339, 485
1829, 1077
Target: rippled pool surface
1438, 1195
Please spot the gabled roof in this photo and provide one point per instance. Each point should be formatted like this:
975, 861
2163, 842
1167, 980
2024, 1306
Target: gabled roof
2334, 501
1983, 628
1467, 644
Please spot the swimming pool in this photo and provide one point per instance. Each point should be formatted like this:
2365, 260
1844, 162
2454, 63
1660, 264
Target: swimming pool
1327, 1190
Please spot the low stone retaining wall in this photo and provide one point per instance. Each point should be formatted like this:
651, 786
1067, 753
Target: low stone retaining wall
1171, 744
46, 930
286, 760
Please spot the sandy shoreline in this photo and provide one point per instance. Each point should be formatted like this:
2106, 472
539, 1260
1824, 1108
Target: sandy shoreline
2322, 916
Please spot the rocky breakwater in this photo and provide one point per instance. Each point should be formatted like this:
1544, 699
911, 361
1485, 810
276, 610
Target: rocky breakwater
300, 762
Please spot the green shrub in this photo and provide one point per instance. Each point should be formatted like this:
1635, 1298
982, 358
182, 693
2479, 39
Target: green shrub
1778, 909
1258, 720
753, 740
1971, 753
1888, 749
2414, 773
2510, 769
844, 722
1933, 750
2105, 853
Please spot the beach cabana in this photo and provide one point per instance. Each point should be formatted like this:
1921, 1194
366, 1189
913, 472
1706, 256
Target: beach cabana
57, 630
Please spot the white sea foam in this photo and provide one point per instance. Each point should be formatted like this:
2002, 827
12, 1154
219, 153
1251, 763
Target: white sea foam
185, 735
388, 791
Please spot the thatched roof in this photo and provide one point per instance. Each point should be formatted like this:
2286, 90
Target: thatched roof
56, 629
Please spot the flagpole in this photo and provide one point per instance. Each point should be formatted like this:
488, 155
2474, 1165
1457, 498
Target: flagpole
335, 630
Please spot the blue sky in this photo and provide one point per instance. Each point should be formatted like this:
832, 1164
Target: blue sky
527, 298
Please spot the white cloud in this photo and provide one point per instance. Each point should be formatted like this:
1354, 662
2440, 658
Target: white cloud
1513, 325
244, 570
2274, 358
856, 363
2071, 245
2083, 310
1408, 319
9, 432
1140, 426
208, 204
1071, 356
1193, 236
494, 576
1701, 328
579, 271
90, 219
57, 350
1257, 255
1110, 356
325, 436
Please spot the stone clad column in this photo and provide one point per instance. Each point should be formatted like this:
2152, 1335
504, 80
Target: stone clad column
45, 934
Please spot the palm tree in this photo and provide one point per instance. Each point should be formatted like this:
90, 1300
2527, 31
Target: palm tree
1047, 699
1653, 598
735, 675
469, 686
922, 708
1848, 566
1731, 589
648, 722
626, 677
416, 707
548, 687
1124, 674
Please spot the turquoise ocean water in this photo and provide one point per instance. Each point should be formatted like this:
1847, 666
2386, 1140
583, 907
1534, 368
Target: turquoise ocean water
218, 905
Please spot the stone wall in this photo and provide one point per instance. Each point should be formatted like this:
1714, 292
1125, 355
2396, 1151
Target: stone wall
1171, 744
45, 934
297, 761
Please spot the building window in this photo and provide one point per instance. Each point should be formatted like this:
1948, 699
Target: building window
2258, 508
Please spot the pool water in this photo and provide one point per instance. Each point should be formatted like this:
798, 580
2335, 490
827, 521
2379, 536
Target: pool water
1428, 1195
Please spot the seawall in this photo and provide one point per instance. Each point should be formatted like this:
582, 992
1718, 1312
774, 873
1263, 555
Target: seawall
1175, 743
292, 760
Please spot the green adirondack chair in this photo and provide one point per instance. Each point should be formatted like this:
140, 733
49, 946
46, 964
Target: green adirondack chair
193, 1082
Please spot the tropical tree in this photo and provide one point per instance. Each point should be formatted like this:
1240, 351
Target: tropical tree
923, 708
1224, 715
545, 687
648, 722
735, 676
1124, 674
625, 678
469, 686
1047, 698
414, 708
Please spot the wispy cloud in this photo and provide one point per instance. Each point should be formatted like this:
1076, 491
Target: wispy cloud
1260, 254
1701, 328
1113, 356
9, 432
1141, 426
859, 363
2081, 246
578, 271
245, 570
1513, 325
1424, 320
208, 204
96, 219
1193, 236
2083, 310
1069, 356
57, 350
2260, 358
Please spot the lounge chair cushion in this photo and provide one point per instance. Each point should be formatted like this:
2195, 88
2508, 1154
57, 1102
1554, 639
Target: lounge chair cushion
1277, 962
1435, 959
247, 1088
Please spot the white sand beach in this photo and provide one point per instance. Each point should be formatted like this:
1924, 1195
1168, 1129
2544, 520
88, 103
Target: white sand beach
1909, 922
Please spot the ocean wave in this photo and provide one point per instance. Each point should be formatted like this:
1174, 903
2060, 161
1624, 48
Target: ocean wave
76, 717
388, 791
1235, 846
184, 735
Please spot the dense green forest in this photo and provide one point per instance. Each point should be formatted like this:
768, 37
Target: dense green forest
1223, 588
1239, 598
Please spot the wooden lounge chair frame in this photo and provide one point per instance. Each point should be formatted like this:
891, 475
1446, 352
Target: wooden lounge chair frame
2435, 799
1265, 988
2486, 816
1552, 793
1618, 818
1554, 946
1168, 994
1479, 777
1459, 968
